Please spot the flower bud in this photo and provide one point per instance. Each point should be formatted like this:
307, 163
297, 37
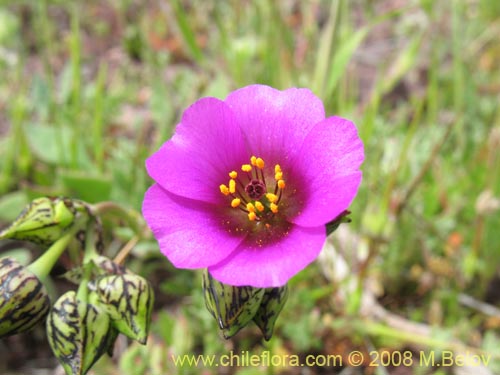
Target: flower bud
128, 299
232, 306
43, 221
79, 333
23, 298
272, 303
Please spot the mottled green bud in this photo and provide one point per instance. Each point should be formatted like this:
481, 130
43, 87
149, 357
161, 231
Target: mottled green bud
43, 221
110, 344
79, 333
128, 299
23, 298
272, 303
232, 306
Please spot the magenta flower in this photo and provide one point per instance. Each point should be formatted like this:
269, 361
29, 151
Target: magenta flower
246, 185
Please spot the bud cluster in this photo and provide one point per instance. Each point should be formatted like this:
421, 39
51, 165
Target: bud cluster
82, 325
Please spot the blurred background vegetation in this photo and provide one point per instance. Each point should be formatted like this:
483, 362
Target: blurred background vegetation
89, 89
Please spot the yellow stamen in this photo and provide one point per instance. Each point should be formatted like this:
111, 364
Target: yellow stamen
246, 167
253, 160
233, 174
235, 202
274, 208
277, 168
271, 197
224, 189
281, 184
252, 216
278, 176
260, 163
250, 207
259, 206
232, 186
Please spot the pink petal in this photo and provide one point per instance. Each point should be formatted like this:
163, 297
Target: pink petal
206, 146
275, 122
271, 265
190, 233
329, 163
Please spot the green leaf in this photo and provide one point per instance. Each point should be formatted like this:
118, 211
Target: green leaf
187, 32
53, 145
11, 204
342, 57
86, 187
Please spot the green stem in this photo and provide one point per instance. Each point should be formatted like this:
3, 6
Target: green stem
44, 264
83, 289
90, 253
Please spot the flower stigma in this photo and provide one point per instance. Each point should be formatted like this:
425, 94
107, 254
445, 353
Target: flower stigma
251, 193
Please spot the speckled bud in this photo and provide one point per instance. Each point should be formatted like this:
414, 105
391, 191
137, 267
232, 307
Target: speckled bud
79, 333
43, 221
232, 306
23, 298
128, 299
272, 303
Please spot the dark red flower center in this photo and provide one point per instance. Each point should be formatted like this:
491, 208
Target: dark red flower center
252, 194
255, 189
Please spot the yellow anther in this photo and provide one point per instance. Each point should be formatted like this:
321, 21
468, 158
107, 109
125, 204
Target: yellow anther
274, 208
253, 160
235, 202
246, 167
232, 186
260, 163
224, 189
271, 197
250, 207
252, 216
281, 184
278, 176
277, 168
259, 206
233, 174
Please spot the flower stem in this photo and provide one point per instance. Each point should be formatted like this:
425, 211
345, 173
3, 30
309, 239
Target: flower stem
90, 253
119, 211
44, 264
